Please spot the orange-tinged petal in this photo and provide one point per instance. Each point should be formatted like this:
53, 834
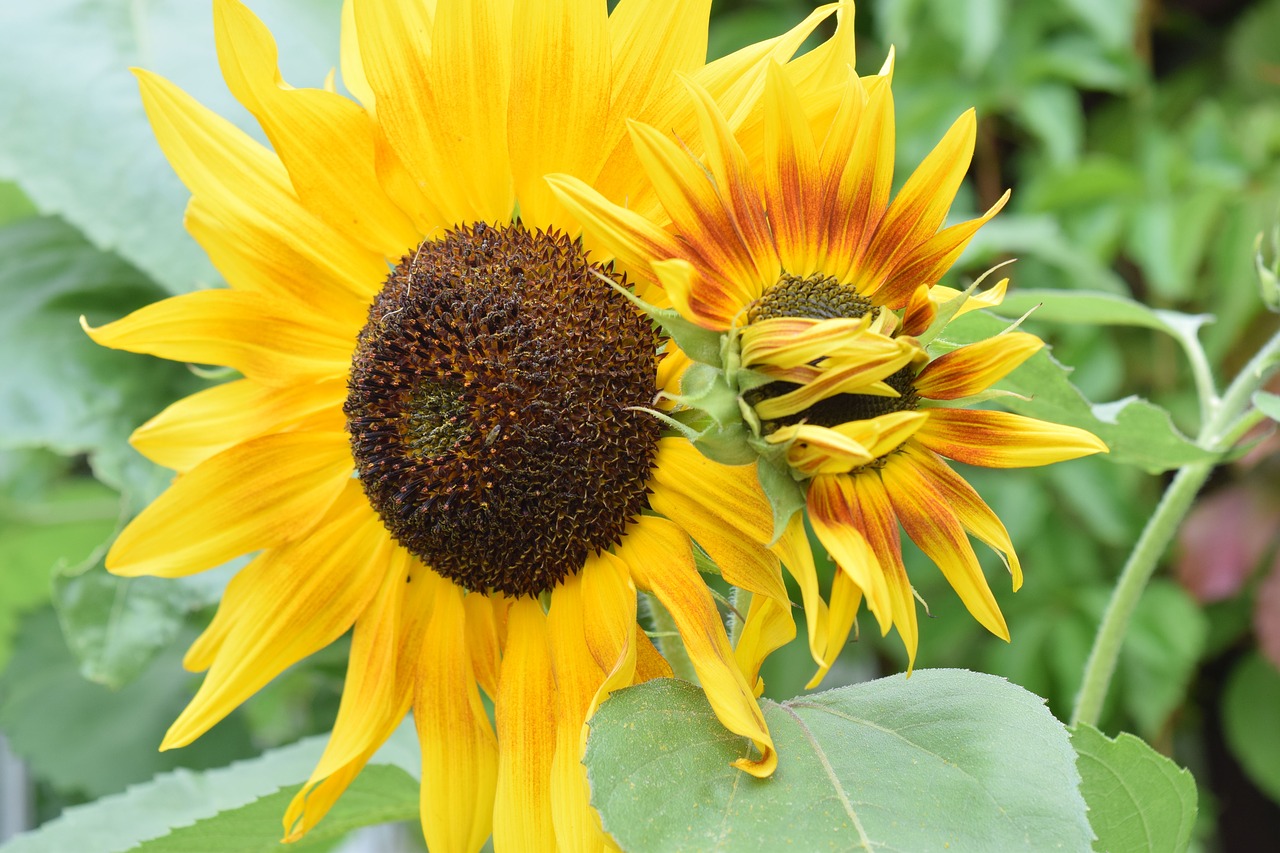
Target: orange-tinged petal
561, 103
324, 140
650, 663
858, 202
194, 428
724, 509
919, 312
920, 206
928, 261
931, 524
1003, 440
973, 512
697, 299
296, 600
856, 377
259, 494
820, 450
248, 188
837, 520
525, 711
975, 367
261, 337
792, 180
378, 690
768, 626
459, 749
880, 528
793, 341
661, 561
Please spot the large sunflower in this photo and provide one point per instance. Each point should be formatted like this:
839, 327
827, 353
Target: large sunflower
449, 456
819, 288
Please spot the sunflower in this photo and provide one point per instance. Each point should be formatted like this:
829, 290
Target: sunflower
808, 296
438, 441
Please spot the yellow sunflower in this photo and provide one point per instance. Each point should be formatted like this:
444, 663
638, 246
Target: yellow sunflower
437, 441
819, 287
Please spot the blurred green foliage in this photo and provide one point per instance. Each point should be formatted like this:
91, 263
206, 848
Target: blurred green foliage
1141, 139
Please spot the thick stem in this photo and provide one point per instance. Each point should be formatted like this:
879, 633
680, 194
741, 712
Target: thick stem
1217, 435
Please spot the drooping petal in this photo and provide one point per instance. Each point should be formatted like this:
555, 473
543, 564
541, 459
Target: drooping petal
724, 509
661, 561
385, 649
324, 140
259, 494
650, 664
933, 526
880, 528
261, 337
525, 710
561, 102
842, 617
767, 626
196, 427
296, 600
459, 749
975, 367
972, 510
837, 520
796, 554
1003, 440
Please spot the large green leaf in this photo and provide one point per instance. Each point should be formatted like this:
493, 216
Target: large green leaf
228, 808
1137, 431
1249, 720
946, 758
1139, 801
73, 134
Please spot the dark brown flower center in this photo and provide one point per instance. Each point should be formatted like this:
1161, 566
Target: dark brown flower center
490, 407
819, 297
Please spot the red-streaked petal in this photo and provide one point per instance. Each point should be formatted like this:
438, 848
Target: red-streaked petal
1003, 440
975, 367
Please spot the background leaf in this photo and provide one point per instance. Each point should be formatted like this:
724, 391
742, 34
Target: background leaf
945, 758
72, 58
1249, 720
1138, 799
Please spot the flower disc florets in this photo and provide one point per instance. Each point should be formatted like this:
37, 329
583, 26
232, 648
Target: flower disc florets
491, 412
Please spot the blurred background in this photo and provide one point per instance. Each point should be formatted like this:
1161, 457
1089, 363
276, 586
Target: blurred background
1141, 139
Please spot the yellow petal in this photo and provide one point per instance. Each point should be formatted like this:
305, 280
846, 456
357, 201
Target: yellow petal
862, 195
379, 688
559, 110
191, 430
526, 723
650, 663
353, 76
259, 494
820, 450
837, 520
324, 140
793, 341
1003, 440
842, 616
459, 749
919, 312
932, 525
724, 509
248, 189
482, 642
297, 599
768, 626
975, 367
698, 300
880, 529
661, 562
856, 376
260, 337
793, 181
797, 555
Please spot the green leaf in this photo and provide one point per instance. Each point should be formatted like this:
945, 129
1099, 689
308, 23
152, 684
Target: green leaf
1136, 431
87, 740
1096, 309
230, 808
60, 390
119, 190
1138, 799
1111, 21
1249, 720
1160, 654
1268, 404
946, 758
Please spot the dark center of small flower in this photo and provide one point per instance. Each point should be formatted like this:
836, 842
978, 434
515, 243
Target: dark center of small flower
490, 407
820, 297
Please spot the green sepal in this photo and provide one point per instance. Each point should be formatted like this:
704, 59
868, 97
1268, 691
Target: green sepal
948, 310
701, 345
786, 495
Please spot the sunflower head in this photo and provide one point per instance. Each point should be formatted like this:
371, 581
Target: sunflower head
494, 363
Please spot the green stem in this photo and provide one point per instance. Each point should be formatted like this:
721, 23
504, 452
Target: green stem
1216, 435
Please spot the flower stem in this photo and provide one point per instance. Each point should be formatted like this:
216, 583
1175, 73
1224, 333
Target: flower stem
1217, 435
